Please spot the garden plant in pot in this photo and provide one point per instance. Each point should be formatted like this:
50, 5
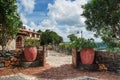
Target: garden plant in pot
86, 48
30, 51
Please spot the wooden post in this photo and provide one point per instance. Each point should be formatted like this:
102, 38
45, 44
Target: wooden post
74, 57
44, 55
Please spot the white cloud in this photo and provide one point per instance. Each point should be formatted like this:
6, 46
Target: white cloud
64, 17
51, 25
33, 25
27, 5
66, 12
47, 23
23, 18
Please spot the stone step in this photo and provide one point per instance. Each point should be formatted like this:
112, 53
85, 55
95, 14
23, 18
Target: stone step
30, 64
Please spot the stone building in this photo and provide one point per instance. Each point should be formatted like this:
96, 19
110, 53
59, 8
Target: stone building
18, 41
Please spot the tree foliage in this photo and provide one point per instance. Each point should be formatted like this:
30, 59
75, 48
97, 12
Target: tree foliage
72, 37
103, 17
9, 20
50, 37
39, 31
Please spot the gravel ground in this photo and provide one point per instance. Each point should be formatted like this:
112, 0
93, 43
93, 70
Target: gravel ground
57, 59
21, 76
58, 68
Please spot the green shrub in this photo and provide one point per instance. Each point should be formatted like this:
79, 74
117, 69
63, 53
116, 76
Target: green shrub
81, 43
31, 42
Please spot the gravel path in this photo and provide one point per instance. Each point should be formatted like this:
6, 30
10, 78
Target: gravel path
21, 76
58, 68
56, 59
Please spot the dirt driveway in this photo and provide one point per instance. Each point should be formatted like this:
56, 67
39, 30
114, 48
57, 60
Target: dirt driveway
56, 59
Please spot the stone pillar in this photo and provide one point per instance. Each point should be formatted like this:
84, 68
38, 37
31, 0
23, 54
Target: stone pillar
74, 57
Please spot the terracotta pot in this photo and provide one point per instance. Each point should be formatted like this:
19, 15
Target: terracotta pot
87, 55
30, 53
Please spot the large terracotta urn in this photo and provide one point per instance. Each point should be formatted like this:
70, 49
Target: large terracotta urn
30, 53
87, 55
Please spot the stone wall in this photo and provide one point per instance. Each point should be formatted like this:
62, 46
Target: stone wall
111, 61
104, 61
11, 45
9, 59
15, 58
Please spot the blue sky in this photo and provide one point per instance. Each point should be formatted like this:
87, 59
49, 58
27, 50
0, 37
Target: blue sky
38, 13
61, 16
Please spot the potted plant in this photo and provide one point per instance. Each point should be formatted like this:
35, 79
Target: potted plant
30, 51
86, 48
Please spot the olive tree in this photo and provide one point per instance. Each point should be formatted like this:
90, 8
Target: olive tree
103, 17
9, 21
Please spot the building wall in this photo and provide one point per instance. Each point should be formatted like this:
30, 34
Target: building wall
25, 34
33, 37
11, 45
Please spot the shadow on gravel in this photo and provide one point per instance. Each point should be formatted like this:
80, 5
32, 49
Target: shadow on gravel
68, 72
63, 72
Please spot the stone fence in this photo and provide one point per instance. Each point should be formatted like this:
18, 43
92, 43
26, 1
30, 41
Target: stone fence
103, 61
16, 58
110, 61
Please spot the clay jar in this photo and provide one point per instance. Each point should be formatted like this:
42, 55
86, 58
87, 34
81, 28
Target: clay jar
30, 53
87, 55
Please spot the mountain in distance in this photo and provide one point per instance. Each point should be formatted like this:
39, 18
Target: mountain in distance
101, 46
